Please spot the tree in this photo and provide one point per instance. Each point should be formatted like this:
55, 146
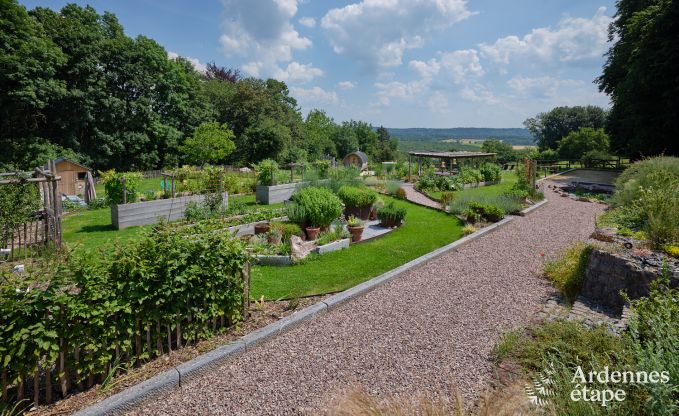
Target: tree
505, 152
210, 143
640, 75
319, 129
548, 128
577, 143
386, 146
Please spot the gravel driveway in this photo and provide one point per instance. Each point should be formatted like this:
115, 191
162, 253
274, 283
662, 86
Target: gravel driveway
433, 325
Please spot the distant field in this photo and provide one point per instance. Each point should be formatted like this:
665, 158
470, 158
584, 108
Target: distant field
514, 136
523, 147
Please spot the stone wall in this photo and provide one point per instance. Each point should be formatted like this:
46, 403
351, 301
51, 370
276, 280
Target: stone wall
609, 273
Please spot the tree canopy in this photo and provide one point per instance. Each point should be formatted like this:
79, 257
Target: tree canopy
72, 83
550, 127
577, 143
640, 75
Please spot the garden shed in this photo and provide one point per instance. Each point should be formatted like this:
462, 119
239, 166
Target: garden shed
356, 159
73, 176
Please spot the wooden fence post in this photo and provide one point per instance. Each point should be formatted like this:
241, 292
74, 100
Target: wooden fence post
122, 182
246, 290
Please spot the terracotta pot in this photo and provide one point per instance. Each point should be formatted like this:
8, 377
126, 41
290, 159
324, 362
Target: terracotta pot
312, 232
262, 228
356, 233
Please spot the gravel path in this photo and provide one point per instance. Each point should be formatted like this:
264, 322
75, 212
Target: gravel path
433, 325
417, 197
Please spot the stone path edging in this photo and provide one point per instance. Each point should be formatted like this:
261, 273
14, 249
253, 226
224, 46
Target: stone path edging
173, 378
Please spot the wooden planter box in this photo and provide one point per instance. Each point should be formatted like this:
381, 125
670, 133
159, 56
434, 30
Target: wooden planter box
148, 212
274, 194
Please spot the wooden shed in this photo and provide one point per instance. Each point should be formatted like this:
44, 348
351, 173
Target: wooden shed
73, 176
356, 159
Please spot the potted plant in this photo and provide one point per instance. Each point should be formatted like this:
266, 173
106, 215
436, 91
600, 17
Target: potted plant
355, 227
320, 207
262, 228
274, 236
379, 203
358, 201
391, 216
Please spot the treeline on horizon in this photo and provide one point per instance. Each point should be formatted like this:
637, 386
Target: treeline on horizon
73, 84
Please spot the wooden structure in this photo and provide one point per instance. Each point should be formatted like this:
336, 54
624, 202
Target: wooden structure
45, 225
73, 176
448, 163
357, 159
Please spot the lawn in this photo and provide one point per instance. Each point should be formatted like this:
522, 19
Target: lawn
93, 228
424, 230
508, 180
148, 184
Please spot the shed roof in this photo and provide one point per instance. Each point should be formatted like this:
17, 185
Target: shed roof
451, 155
63, 159
361, 155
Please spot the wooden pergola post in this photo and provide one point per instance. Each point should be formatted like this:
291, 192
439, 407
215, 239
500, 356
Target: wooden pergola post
410, 179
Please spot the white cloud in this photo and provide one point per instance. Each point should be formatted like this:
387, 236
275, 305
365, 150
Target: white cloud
307, 21
376, 33
315, 96
296, 72
479, 93
260, 31
574, 39
346, 85
438, 102
397, 89
541, 87
460, 66
197, 65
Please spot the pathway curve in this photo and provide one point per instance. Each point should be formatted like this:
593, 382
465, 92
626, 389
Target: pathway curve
435, 324
413, 195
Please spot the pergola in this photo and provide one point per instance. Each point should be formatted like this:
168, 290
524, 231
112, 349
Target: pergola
448, 161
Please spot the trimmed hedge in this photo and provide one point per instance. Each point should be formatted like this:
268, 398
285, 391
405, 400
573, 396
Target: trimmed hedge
321, 207
357, 197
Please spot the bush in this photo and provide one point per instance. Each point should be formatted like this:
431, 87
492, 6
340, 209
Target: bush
578, 143
267, 172
401, 194
469, 229
491, 172
426, 182
644, 174
349, 176
568, 271
660, 206
287, 229
506, 204
295, 213
392, 187
470, 175
357, 197
322, 167
391, 215
320, 205
18, 204
591, 157
446, 199
113, 185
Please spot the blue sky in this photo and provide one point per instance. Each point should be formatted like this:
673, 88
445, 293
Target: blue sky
398, 63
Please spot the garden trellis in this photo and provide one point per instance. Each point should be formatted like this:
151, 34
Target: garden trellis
30, 211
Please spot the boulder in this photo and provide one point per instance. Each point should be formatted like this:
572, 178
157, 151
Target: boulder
299, 249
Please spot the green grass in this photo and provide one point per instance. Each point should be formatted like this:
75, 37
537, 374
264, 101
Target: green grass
149, 184
508, 180
90, 229
424, 230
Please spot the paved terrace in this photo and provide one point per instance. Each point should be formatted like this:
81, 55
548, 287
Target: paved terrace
434, 324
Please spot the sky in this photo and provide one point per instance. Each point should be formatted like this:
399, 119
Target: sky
397, 63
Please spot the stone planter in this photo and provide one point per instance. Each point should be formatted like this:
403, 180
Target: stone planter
143, 213
334, 246
274, 194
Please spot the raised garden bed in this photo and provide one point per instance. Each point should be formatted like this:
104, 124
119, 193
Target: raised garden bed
285, 260
273, 194
148, 212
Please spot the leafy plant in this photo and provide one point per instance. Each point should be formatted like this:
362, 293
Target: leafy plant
568, 270
401, 194
287, 229
647, 173
211, 143
352, 221
320, 205
337, 232
295, 212
391, 214
446, 199
267, 171
470, 175
357, 197
113, 185
469, 229
491, 172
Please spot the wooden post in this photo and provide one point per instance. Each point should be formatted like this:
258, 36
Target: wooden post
410, 179
173, 195
122, 182
246, 289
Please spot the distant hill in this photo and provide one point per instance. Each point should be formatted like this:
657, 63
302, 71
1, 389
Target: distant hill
458, 137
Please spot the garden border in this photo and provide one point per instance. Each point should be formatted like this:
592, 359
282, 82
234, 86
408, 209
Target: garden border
173, 378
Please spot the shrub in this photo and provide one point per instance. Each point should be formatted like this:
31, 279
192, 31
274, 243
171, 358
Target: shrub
342, 176
267, 172
589, 158
470, 175
320, 205
660, 206
196, 212
446, 199
392, 187
426, 182
287, 229
493, 213
469, 229
322, 167
568, 271
644, 174
18, 203
401, 194
471, 215
672, 251
336, 233
584, 140
98, 203
477, 208
491, 172
113, 185
295, 213
391, 214
357, 197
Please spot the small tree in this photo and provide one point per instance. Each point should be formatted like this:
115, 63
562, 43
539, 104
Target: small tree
586, 139
210, 143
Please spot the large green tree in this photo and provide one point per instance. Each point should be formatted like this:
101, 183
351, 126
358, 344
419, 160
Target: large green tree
642, 79
577, 143
550, 127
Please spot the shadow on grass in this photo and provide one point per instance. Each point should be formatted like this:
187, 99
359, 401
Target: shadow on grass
96, 228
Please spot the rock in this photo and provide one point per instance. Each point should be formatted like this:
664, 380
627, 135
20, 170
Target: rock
605, 234
299, 249
19, 268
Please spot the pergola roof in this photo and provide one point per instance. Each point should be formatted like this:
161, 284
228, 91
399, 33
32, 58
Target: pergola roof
451, 155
